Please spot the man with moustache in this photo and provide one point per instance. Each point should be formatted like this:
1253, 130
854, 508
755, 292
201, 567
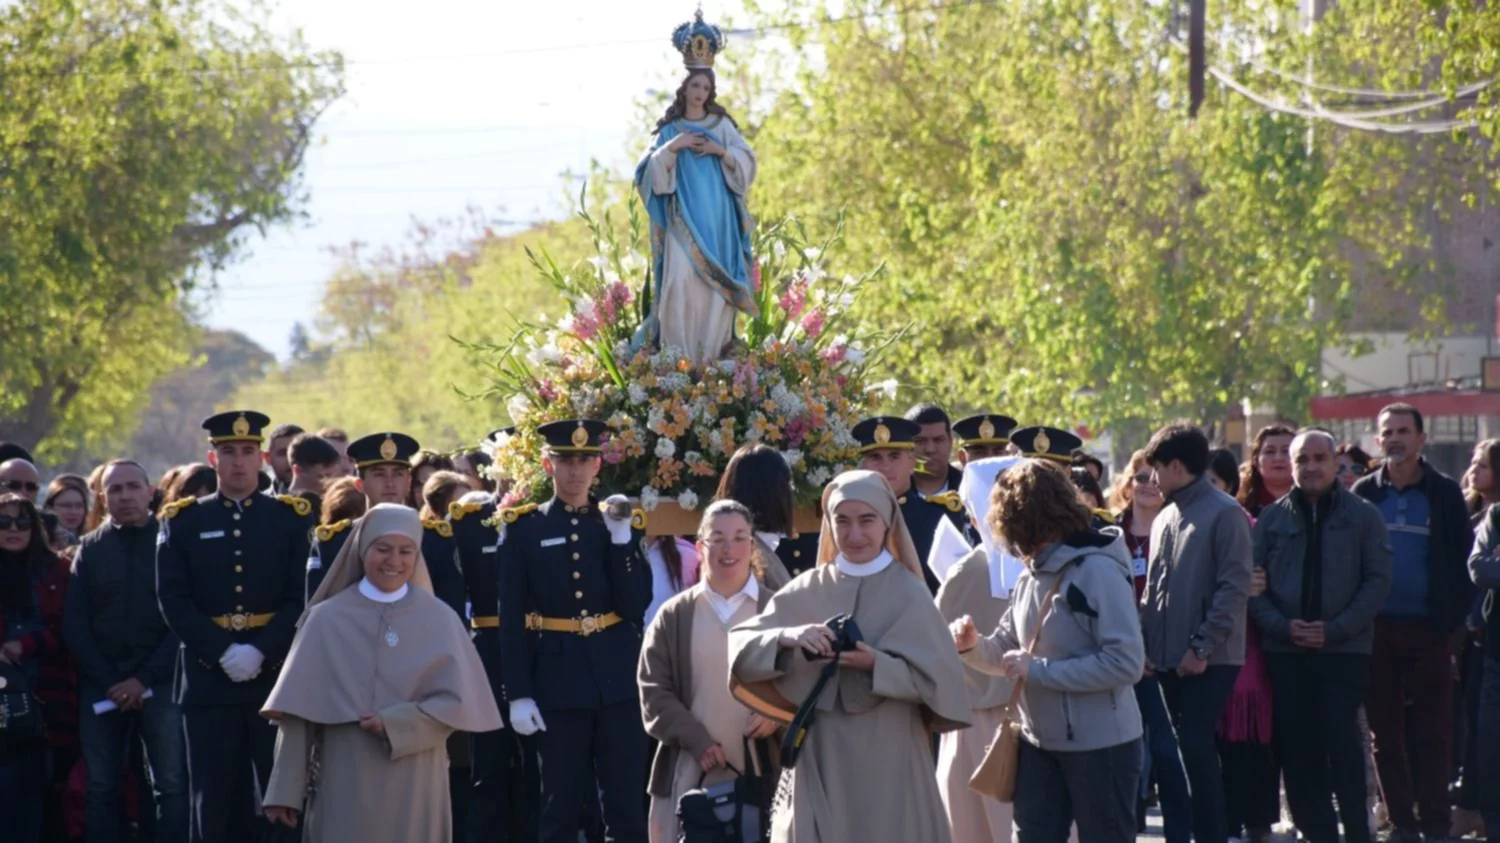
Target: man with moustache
1411, 666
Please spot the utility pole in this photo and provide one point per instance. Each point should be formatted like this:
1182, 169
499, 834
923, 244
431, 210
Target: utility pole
1197, 57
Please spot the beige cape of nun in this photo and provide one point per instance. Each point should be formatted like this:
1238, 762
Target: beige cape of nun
866, 769
411, 662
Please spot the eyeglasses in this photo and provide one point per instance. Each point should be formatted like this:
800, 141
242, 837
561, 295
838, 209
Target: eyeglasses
22, 485
1356, 470
1144, 477
20, 523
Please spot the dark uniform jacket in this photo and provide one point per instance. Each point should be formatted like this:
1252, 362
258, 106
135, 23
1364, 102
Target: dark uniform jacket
558, 562
217, 558
476, 543
922, 516
112, 622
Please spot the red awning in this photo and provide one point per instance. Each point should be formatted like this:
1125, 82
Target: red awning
1468, 402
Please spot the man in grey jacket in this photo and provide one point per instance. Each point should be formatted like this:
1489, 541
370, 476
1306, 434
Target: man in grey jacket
1193, 609
1327, 558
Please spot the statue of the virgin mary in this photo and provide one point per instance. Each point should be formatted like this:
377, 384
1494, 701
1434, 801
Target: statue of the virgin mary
693, 182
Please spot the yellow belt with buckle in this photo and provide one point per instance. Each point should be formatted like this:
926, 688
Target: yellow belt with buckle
485, 622
239, 621
585, 626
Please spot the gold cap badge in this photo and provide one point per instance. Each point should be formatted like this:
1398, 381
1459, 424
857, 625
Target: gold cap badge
882, 434
1041, 444
580, 436
242, 426
986, 429
388, 448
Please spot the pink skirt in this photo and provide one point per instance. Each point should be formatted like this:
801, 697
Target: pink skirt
1247, 715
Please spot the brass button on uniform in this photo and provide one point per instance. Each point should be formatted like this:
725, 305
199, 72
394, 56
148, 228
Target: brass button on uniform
239, 608
796, 554
575, 556
577, 576
236, 533
236, 516
239, 569
578, 595
575, 521
573, 537
239, 553
239, 588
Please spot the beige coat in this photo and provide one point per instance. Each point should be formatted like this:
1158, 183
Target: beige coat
665, 674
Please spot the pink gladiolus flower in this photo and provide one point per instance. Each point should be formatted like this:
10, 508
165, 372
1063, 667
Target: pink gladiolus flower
812, 323
833, 355
755, 276
547, 391
795, 298
585, 327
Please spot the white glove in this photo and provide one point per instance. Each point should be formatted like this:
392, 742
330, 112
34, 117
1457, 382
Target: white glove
241, 662
619, 528
525, 718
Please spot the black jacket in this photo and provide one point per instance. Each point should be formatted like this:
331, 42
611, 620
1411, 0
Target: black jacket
112, 621
1450, 538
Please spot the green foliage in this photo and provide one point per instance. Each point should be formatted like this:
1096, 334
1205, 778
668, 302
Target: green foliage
1070, 245
142, 140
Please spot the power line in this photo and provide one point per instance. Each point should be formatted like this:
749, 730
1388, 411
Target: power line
341, 62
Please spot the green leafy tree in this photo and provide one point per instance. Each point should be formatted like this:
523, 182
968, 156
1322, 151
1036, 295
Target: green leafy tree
1070, 245
143, 142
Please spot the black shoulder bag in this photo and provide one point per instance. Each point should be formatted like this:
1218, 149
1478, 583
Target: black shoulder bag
21, 725
731, 812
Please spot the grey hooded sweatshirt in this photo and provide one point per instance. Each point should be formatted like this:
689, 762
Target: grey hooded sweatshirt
1079, 693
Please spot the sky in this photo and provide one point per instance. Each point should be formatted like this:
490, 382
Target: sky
451, 104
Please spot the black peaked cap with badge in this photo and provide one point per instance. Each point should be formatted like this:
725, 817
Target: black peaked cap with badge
380, 448
885, 432
236, 426
574, 436
1048, 443
985, 429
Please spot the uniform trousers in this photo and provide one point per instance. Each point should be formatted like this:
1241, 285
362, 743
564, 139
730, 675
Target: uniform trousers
230, 750
580, 745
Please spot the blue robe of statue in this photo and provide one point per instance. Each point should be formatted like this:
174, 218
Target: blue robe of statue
700, 238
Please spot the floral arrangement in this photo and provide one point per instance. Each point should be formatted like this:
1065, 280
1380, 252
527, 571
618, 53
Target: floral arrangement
796, 380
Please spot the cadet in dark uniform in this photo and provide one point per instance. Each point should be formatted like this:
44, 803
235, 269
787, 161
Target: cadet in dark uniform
885, 447
983, 436
229, 573
383, 462
1047, 443
573, 589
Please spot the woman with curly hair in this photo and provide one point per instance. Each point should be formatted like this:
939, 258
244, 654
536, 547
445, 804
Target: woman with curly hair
1071, 640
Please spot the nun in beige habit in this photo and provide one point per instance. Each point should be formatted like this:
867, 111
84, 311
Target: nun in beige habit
865, 771
978, 586
379, 675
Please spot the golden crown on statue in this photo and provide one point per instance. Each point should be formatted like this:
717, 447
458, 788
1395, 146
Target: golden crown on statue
698, 42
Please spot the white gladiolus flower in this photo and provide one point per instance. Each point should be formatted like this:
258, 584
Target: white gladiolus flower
886, 387
584, 307
517, 406
793, 457
665, 448
688, 500
649, 498
637, 393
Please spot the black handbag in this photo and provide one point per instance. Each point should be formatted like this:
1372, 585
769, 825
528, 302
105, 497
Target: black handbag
731, 812
21, 725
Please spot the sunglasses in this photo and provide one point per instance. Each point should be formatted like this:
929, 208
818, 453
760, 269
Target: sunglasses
1143, 478
1356, 470
15, 522
22, 485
